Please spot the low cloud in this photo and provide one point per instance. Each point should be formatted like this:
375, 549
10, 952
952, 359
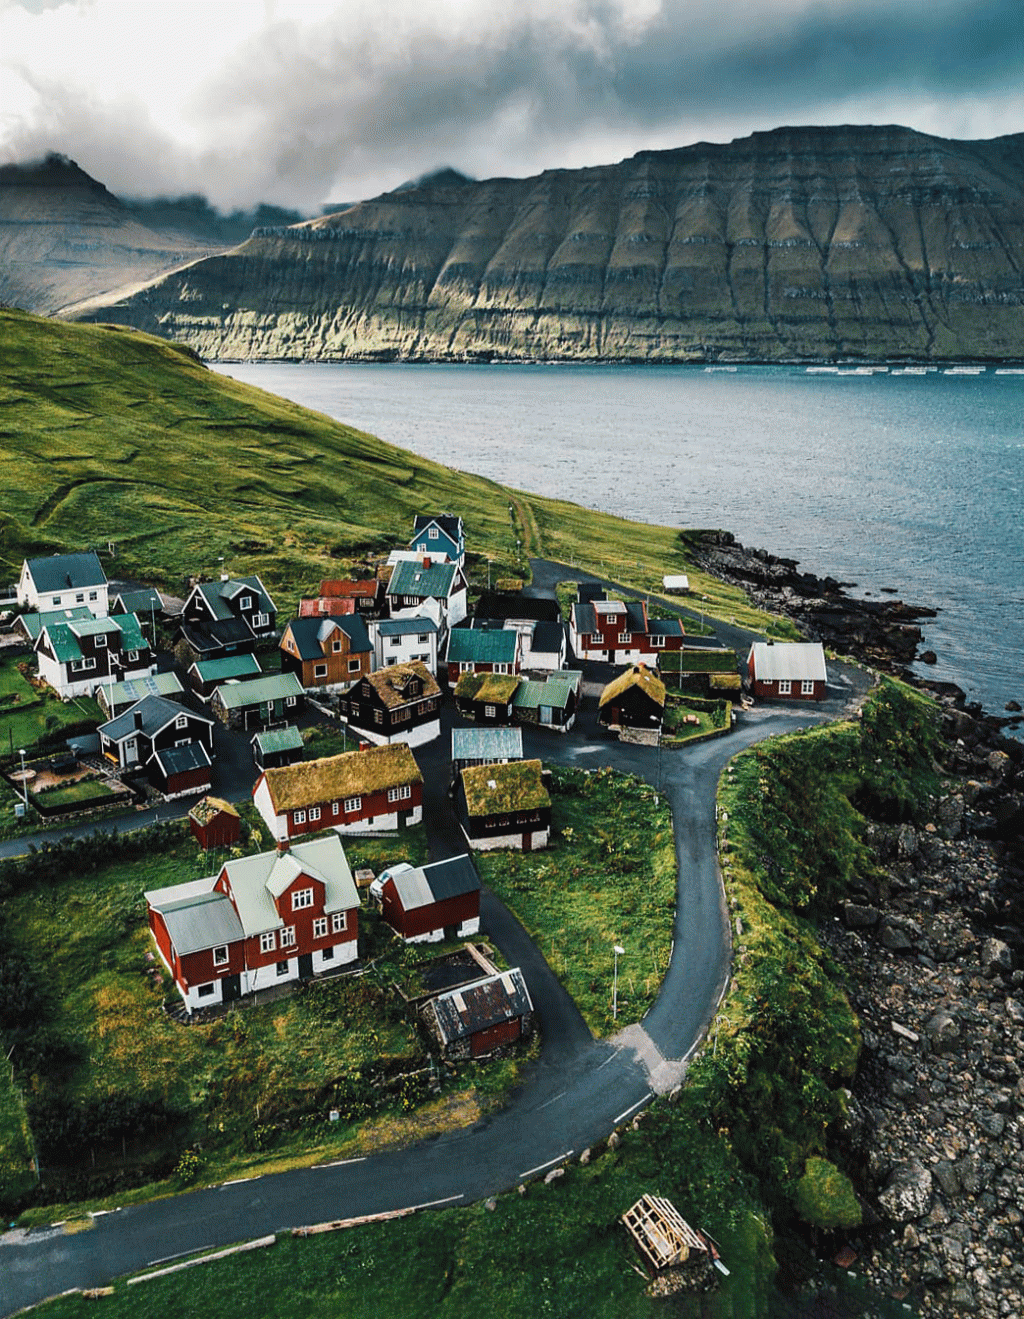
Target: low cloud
302, 103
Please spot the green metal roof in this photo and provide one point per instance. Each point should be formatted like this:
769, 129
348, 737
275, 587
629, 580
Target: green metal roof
472, 645
231, 666
413, 579
554, 692
272, 687
279, 739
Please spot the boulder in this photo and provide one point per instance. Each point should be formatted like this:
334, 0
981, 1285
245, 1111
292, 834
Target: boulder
996, 957
943, 1032
909, 1192
858, 917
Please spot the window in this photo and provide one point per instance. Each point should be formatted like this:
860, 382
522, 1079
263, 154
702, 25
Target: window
502, 668
290, 700
78, 666
400, 716
421, 546
336, 645
288, 936
334, 808
204, 991
268, 942
245, 602
282, 968
400, 794
410, 600
352, 804
132, 656
99, 641
302, 897
354, 666
490, 711
432, 533
597, 639
80, 598
807, 687
298, 817
320, 927
55, 600
181, 721
327, 954
183, 742
423, 638
657, 640
395, 641
314, 813
466, 666
623, 638
339, 921
319, 670
785, 686
220, 955
260, 620
92, 595
378, 716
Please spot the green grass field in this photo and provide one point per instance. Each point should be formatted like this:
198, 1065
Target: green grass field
609, 877
109, 435
37, 711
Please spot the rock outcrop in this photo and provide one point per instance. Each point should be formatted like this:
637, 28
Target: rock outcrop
797, 244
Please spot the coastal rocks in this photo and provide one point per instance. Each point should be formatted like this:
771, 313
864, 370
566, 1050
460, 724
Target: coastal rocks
995, 958
909, 1192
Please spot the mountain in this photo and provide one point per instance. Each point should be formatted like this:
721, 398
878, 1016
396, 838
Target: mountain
64, 239
796, 244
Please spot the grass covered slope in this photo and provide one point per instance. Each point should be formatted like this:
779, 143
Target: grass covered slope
107, 434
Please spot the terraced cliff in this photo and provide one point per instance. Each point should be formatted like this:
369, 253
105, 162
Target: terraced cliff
798, 244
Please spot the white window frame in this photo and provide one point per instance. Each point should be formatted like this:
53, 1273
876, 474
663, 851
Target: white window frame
181, 721
336, 645
204, 991
268, 942
490, 711
339, 922
93, 595
465, 666
221, 955
288, 937
785, 686
301, 899
133, 655
314, 813
99, 641
245, 602
807, 687
319, 927
352, 805
624, 638
283, 967
335, 807
423, 639
400, 794
354, 666
298, 817
658, 639
80, 598
290, 700
319, 670
433, 533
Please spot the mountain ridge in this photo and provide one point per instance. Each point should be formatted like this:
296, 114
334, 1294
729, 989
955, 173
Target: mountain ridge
794, 244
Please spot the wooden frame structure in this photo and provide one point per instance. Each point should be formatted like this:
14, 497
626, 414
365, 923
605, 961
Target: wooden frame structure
662, 1234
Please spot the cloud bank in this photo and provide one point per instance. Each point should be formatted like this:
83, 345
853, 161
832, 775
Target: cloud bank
302, 103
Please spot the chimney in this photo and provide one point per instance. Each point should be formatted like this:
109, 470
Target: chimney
225, 577
137, 718
283, 845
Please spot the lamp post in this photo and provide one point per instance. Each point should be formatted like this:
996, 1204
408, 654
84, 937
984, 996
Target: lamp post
618, 951
24, 780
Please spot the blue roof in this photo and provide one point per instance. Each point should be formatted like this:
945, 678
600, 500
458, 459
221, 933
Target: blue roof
400, 627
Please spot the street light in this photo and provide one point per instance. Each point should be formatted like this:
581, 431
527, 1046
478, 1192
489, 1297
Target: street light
619, 951
24, 780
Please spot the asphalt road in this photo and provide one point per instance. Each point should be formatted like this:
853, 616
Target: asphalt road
575, 1095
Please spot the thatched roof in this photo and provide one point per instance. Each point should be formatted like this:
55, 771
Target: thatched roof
498, 688
637, 676
516, 786
352, 774
393, 686
204, 811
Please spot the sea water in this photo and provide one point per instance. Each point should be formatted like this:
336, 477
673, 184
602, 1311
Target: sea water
898, 481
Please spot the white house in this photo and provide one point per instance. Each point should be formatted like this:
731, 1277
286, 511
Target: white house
428, 590
61, 581
401, 640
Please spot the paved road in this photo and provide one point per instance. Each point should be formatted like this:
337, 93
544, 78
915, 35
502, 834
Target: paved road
577, 1092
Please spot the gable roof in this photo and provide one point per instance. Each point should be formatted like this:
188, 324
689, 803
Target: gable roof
481, 1004
217, 595
447, 522
638, 675
511, 604
555, 691
405, 627
548, 638
156, 712
391, 683
498, 688
33, 624
134, 689
332, 778
61, 572
515, 786
197, 917
228, 666
487, 743
274, 740
435, 883
471, 646
325, 606
206, 810
211, 634
271, 687
435, 582
665, 627
350, 589
134, 602
800, 661
309, 634
64, 638
583, 617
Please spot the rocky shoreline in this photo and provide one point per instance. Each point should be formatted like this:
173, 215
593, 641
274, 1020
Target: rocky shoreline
933, 954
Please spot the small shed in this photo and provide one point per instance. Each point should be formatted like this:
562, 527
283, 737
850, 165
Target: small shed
486, 697
215, 823
434, 902
181, 771
277, 746
788, 670
485, 746
664, 1237
633, 700
481, 1017
678, 584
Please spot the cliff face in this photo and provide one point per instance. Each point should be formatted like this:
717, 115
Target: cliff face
795, 244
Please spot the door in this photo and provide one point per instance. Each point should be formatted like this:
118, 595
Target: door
231, 988
545, 714
305, 965
131, 751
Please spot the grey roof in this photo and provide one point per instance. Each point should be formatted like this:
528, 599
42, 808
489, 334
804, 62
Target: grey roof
196, 917
271, 687
548, 637
401, 627
797, 660
179, 760
156, 711
136, 602
59, 572
482, 1004
635, 614
254, 879
217, 595
665, 627
583, 613
215, 634
436, 882
487, 743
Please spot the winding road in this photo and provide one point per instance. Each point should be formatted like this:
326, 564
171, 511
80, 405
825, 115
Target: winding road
577, 1092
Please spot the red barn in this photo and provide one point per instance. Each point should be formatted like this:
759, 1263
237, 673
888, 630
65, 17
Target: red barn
788, 670
215, 823
435, 902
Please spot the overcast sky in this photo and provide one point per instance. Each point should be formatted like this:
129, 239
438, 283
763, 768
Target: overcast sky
301, 102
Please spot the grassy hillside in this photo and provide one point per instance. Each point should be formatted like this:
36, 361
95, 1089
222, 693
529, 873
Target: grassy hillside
109, 435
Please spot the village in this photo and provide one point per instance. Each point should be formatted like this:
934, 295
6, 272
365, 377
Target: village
378, 656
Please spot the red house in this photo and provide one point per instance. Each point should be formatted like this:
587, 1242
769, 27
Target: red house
379, 788
439, 901
263, 921
619, 632
788, 670
214, 823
